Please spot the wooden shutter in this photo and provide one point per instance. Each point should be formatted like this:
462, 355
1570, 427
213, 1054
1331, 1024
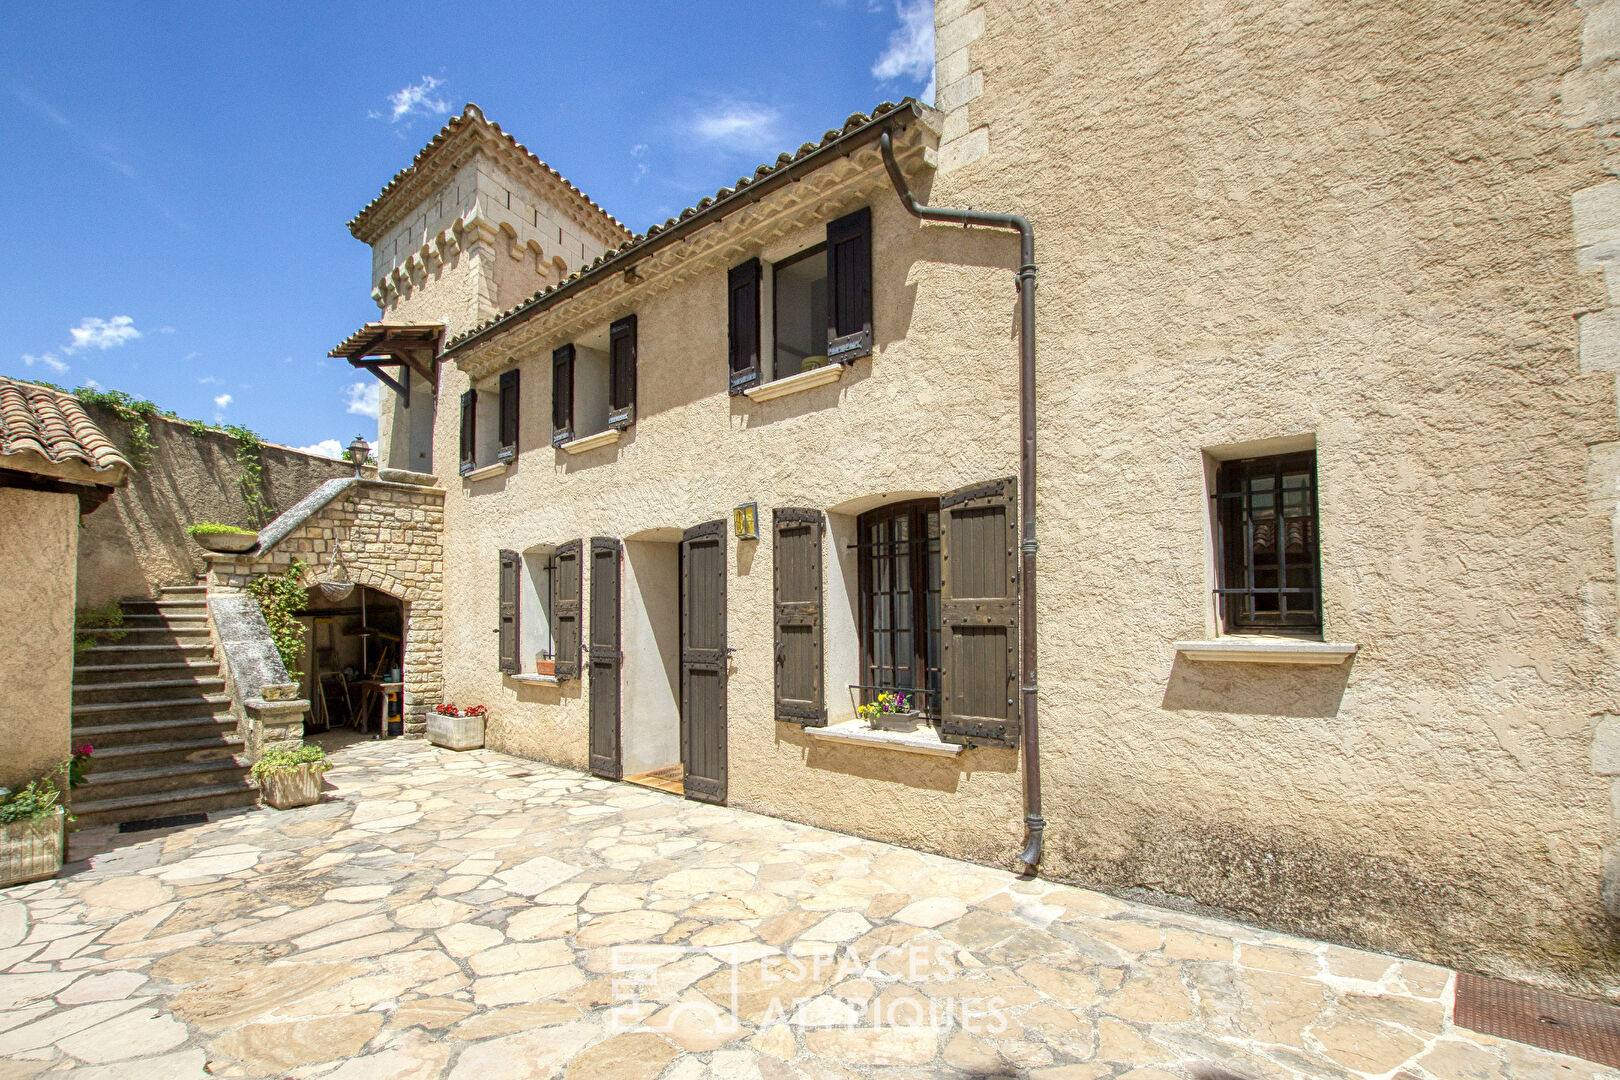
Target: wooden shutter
511, 584
622, 373
509, 415
605, 657
469, 431
849, 287
562, 395
565, 605
743, 317
800, 694
978, 532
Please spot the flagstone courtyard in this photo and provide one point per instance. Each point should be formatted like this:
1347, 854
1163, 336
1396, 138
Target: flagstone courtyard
482, 917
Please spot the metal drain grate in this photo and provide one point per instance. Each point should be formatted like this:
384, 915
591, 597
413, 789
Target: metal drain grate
163, 822
1541, 1018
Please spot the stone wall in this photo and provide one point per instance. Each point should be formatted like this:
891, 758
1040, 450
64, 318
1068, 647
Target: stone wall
38, 532
137, 542
390, 539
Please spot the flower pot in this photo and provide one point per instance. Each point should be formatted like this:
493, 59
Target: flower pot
300, 786
455, 732
32, 850
542, 666
227, 543
898, 721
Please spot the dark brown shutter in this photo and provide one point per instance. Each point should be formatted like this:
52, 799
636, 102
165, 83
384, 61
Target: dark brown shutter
978, 532
469, 431
605, 659
849, 287
511, 584
562, 395
565, 604
800, 697
622, 373
509, 415
743, 311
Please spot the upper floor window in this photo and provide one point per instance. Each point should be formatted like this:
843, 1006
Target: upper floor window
1268, 557
820, 306
489, 423
593, 383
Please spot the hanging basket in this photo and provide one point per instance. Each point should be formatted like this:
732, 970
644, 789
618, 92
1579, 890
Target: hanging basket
336, 585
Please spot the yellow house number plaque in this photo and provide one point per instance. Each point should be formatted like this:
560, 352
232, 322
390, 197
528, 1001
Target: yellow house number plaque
745, 521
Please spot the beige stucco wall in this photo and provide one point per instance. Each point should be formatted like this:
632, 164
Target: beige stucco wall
137, 542
1349, 221
39, 532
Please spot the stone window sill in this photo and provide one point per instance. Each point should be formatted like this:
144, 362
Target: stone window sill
538, 680
1267, 650
925, 740
793, 384
484, 472
591, 442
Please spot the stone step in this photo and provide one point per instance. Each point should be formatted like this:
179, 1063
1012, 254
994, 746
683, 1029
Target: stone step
155, 650
101, 674
115, 732
166, 603
149, 636
145, 691
184, 590
210, 799
134, 708
224, 746
103, 783
146, 620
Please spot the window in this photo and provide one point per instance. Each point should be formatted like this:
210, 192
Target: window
534, 611
1269, 577
899, 579
799, 304
821, 306
489, 423
593, 383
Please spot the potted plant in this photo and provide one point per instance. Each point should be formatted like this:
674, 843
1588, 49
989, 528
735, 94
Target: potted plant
33, 822
227, 539
544, 664
457, 727
890, 711
290, 777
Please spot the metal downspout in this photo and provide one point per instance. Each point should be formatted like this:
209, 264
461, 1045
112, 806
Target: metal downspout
1029, 742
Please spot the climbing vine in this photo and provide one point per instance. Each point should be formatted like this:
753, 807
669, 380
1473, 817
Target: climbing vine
279, 595
251, 480
133, 411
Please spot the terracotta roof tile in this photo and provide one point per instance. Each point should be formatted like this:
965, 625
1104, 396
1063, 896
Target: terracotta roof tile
855, 122
54, 425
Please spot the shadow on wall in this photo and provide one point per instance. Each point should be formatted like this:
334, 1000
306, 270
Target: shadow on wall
1257, 689
137, 542
912, 770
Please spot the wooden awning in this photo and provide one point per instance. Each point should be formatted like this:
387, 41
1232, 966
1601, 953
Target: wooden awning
413, 346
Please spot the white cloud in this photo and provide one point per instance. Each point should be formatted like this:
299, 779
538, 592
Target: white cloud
222, 402
417, 100
910, 51
48, 359
325, 448
94, 333
363, 398
739, 125
209, 380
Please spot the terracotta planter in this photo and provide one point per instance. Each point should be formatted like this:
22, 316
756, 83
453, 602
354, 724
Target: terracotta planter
227, 543
543, 666
299, 786
32, 850
455, 732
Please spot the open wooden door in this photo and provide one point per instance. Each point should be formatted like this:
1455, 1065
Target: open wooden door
703, 661
606, 658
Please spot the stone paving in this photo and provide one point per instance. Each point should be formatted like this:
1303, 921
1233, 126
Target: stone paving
480, 917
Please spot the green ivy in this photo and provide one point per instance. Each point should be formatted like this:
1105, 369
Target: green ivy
251, 480
279, 760
279, 595
133, 411
213, 528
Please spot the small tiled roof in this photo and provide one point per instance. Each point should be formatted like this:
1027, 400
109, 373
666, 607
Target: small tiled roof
373, 336
53, 424
472, 114
713, 205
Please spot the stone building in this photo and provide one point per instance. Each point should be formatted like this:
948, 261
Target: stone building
1326, 464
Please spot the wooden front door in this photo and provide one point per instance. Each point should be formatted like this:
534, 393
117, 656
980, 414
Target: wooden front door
703, 661
606, 658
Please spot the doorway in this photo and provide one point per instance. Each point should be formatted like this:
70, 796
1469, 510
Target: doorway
353, 657
651, 726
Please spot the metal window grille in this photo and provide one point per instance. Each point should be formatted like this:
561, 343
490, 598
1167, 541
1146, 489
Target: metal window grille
1266, 520
899, 601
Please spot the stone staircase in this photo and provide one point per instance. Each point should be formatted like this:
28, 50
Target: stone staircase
152, 702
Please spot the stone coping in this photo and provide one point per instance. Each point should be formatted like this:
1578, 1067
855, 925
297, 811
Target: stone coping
793, 384
591, 442
316, 501
925, 740
1267, 650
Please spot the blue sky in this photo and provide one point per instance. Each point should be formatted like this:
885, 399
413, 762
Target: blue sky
179, 174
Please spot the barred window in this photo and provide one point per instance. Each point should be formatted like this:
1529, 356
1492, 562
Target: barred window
1270, 576
899, 594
